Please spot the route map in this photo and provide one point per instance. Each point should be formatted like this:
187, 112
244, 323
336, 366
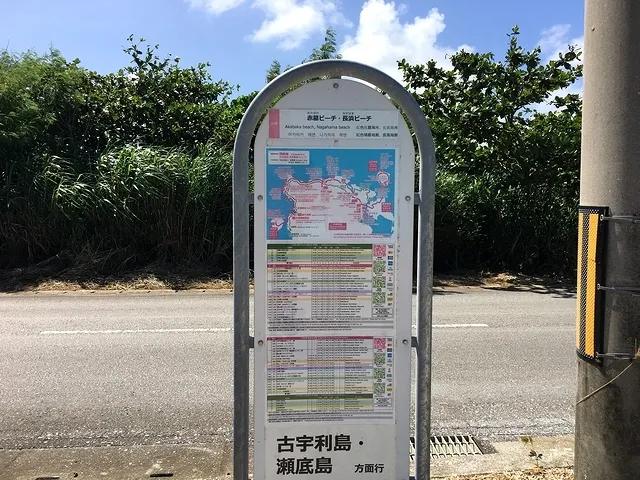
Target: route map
330, 194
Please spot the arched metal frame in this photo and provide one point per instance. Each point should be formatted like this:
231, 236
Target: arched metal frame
424, 199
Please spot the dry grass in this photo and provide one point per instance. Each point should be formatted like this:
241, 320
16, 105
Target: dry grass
542, 474
25, 280
500, 280
31, 280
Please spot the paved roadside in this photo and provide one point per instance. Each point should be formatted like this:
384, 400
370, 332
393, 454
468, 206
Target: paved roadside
513, 456
183, 462
134, 369
561, 473
214, 462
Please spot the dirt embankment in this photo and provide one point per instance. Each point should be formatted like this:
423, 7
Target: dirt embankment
24, 280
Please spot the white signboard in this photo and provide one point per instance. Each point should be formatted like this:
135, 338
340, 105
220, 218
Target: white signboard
334, 124
333, 229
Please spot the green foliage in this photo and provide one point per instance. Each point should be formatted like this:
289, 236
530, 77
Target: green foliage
154, 101
121, 170
527, 440
327, 50
507, 175
47, 107
275, 69
140, 205
77, 173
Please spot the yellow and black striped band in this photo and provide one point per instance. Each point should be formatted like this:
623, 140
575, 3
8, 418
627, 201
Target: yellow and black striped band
589, 329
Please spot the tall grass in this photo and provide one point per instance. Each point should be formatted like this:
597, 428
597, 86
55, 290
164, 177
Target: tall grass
484, 223
136, 206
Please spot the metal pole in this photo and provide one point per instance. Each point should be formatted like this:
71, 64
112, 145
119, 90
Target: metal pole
424, 316
607, 442
241, 330
417, 119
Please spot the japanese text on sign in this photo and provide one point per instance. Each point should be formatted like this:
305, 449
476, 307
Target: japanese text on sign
318, 442
323, 463
304, 466
330, 379
361, 124
303, 443
332, 328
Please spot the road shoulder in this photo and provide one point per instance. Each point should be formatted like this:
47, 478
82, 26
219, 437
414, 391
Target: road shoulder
214, 462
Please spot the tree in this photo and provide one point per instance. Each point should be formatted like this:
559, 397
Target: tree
135, 164
154, 101
48, 106
480, 108
274, 70
326, 51
507, 174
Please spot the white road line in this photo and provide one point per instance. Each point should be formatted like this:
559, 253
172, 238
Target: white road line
142, 330
208, 330
458, 325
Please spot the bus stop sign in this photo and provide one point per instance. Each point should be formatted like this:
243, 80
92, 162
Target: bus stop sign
334, 165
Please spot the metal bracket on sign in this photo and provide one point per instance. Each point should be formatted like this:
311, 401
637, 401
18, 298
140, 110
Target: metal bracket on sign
635, 291
621, 218
616, 356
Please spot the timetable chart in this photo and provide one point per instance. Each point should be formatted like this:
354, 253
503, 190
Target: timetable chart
320, 287
329, 378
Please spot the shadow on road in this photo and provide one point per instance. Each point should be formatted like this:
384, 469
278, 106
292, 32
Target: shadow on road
556, 291
560, 287
436, 291
53, 278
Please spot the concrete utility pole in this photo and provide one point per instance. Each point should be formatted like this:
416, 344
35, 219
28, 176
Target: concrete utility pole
608, 421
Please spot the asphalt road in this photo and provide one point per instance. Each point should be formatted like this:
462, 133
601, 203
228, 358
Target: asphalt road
156, 368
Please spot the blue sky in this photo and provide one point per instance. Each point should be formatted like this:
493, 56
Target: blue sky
240, 38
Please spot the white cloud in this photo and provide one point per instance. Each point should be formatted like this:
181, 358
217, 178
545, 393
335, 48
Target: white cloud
552, 38
291, 22
552, 41
215, 6
555, 39
546, 106
382, 39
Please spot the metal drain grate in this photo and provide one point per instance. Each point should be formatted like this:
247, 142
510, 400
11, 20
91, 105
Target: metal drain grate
448, 446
